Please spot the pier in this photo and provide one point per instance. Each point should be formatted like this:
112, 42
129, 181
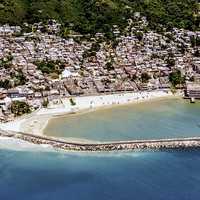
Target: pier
158, 144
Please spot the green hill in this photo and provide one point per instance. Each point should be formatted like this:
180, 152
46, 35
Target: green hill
90, 16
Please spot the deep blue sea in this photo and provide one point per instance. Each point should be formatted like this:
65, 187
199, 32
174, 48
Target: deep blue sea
114, 176
175, 175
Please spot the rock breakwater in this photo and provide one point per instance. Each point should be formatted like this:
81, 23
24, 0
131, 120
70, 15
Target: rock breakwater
159, 144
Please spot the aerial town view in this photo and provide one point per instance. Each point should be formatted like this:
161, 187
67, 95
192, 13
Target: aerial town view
99, 99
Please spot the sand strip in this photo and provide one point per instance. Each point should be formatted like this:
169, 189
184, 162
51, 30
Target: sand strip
35, 123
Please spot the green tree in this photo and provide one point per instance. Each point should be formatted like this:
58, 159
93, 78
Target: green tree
176, 78
197, 53
93, 16
139, 35
5, 84
109, 66
171, 62
19, 78
50, 67
145, 77
19, 108
72, 102
45, 103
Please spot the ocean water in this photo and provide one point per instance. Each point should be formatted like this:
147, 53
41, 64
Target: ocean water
113, 176
158, 119
172, 175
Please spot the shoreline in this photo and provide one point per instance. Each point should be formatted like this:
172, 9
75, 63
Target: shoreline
17, 139
104, 107
35, 123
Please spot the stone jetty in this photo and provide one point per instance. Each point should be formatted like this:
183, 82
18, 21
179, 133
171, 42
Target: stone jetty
159, 144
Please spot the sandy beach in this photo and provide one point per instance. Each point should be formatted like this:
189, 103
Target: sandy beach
36, 122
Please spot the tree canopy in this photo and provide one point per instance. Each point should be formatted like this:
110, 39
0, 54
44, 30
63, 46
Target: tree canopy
176, 78
19, 108
50, 67
93, 16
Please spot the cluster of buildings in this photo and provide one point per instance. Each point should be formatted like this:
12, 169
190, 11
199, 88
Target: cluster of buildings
140, 60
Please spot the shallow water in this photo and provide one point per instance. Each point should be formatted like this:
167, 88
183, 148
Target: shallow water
112, 176
158, 119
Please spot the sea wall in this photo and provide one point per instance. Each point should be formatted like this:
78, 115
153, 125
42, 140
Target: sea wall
160, 144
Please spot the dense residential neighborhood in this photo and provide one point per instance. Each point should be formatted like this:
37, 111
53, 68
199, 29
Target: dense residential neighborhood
38, 66
99, 99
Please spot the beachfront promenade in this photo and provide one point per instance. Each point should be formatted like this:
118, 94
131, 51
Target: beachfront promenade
56, 143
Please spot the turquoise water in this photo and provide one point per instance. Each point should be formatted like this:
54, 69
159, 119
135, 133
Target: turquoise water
158, 119
58, 176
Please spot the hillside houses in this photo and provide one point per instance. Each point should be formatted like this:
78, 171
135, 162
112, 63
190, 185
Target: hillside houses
88, 71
